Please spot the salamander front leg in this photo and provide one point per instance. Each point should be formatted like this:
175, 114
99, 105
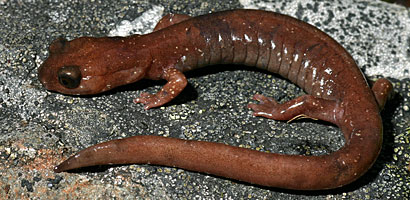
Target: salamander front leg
383, 91
176, 83
306, 106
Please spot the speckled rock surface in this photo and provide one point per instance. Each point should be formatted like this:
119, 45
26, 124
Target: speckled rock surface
40, 129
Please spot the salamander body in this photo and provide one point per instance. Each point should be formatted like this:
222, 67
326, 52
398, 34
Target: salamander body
337, 93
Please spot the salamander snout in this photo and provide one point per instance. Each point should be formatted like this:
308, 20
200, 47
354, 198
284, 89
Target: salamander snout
42, 76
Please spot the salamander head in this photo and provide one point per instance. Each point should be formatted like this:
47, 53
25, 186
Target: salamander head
92, 65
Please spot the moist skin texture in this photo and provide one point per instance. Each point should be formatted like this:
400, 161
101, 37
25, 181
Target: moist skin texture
337, 93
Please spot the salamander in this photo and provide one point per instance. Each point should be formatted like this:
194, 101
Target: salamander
337, 92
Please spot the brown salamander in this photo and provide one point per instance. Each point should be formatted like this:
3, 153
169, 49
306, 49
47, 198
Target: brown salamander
337, 93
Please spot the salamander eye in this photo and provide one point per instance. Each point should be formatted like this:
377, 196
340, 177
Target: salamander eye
69, 76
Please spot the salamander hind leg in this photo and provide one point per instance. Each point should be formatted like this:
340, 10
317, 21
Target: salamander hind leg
169, 20
306, 106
